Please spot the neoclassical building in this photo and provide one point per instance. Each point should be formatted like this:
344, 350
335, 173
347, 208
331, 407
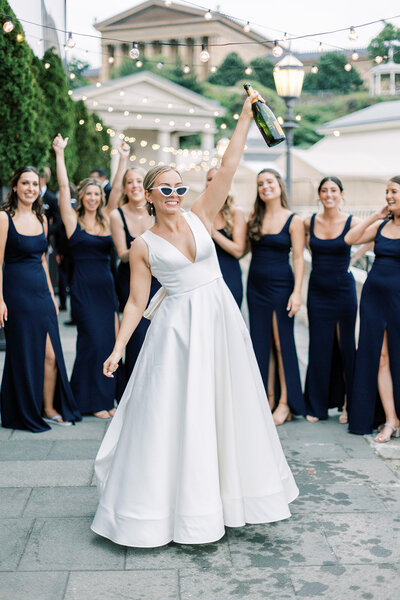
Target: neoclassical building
176, 31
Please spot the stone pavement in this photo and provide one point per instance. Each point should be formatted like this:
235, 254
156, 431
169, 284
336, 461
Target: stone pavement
342, 542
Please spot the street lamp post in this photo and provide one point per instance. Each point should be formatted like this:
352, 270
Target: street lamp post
289, 76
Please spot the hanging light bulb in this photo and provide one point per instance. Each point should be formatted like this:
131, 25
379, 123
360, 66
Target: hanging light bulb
20, 37
378, 59
354, 56
70, 41
139, 64
8, 25
246, 28
134, 52
277, 51
186, 69
320, 48
208, 15
213, 69
352, 33
160, 65
204, 54
347, 67
248, 70
314, 69
47, 65
111, 60
284, 37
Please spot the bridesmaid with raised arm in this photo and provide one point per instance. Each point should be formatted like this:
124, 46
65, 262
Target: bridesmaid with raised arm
331, 305
274, 293
35, 391
229, 235
94, 301
127, 222
375, 399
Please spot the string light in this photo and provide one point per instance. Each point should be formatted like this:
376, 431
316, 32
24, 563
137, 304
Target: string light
110, 109
134, 52
126, 113
204, 54
167, 2
277, 51
20, 37
70, 92
236, 116
280, 120
248, 70
95, 103
139, 64
47, 65
138, 117
8, 25
208, 15
320, 48
98, 84
347, 67
314, 69
352, 34
111, 60
70, 43
186, 69
122, 93
81, 122
72, 76
213, 69
160, 65
246, 28
378, 59
354, 56
285, 36
298, 117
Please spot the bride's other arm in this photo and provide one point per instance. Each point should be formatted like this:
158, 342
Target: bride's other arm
136, 304
211, 200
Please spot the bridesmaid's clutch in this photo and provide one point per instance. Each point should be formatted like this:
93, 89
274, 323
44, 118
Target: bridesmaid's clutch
155, 304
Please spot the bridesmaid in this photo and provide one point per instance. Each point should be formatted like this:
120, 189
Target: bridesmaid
274, 294
229, 235
127, 222
94, 302
332, 306
376, 388
35, 391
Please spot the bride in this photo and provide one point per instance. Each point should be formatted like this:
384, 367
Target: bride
192, 447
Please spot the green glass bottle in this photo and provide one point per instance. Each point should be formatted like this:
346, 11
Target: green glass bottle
266, 121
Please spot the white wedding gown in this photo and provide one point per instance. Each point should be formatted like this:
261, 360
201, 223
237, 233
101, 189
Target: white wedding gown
192, 446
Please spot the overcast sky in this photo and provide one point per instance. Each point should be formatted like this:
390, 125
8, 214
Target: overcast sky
297, 17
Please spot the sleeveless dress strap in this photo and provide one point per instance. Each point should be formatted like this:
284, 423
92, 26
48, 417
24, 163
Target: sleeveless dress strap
127, 232
346, 226
287, 224
312, 222
381, 226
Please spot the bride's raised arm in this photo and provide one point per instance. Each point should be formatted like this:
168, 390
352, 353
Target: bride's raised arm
210, 202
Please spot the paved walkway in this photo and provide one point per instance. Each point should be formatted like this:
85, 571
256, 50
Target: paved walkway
342, 542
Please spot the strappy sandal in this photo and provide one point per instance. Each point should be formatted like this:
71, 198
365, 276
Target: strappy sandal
395, 433
57, 420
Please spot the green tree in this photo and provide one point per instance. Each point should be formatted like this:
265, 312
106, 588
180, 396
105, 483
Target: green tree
263, 71
377, 45
103, 140
90, 142
22, 129
76, 68
230, 71
332, 75
60, 109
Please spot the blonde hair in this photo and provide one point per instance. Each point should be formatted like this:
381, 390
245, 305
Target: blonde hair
80, 209
124, 198
150, 179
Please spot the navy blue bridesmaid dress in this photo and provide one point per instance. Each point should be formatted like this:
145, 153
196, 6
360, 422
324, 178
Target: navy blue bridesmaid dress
332, 301
230, 269
379, 310
135, 343
94, 305
269, 286
31, 316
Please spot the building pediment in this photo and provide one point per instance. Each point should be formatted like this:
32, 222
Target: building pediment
153, 15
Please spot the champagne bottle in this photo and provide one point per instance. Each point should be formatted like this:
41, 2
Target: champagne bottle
266, 121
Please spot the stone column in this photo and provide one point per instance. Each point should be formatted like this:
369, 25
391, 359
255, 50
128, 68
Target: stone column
207, 141
118, 54
164, 140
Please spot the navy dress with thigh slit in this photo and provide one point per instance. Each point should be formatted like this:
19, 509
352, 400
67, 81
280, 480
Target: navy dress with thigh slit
230, 269
269, 286
94, 305
331, 302
135, 343
379, 310
31, 317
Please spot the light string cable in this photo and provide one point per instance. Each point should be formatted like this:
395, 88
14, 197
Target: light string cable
213, 45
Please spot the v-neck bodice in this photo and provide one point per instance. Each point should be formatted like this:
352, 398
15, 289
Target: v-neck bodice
175, 271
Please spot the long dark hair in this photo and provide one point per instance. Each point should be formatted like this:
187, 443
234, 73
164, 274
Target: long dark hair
80, 209
395, 179
11, 202
254, 226
330, 178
